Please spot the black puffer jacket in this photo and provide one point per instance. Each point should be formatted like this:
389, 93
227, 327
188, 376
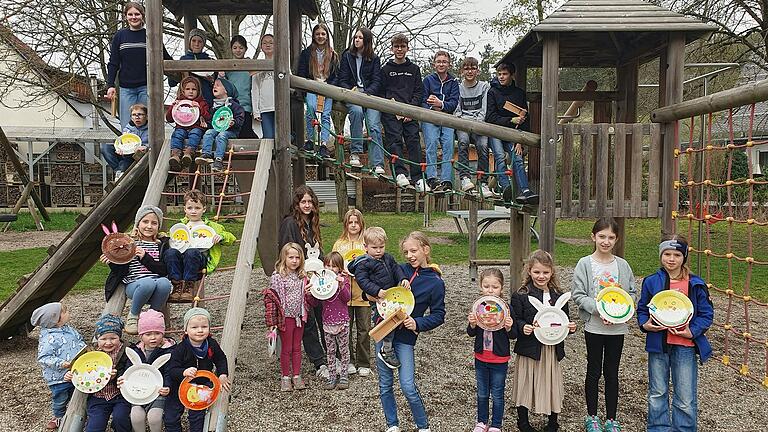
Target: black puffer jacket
523, 313
118, 271
376, 274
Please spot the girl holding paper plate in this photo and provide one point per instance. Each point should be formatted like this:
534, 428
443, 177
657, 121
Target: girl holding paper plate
604, 290
672, 349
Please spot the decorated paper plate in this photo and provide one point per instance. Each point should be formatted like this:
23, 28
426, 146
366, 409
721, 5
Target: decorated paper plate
350, 256
271, 342
142, 381
202, 237
119, 248
180, 237
184, 113
397, 298
671, 309
615, 305
127, 143
323, 284
221, 118
91, 371
198, 397
551, 323
491, 312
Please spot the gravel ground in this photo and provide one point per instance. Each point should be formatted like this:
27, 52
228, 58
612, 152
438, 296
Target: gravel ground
12, 240
444, 374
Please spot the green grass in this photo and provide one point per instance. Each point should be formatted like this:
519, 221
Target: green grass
60, 221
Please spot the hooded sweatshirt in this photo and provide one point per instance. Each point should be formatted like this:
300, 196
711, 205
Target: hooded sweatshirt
402, 82
446, 90
206, 87
142, 131
473, 101
498, 95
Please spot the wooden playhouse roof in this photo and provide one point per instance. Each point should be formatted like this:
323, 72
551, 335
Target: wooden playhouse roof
607, 32
237, 7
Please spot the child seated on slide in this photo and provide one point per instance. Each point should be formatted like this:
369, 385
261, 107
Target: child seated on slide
189, 90
224, 94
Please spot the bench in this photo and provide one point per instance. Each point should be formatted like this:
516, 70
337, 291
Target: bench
7, 217
486, 218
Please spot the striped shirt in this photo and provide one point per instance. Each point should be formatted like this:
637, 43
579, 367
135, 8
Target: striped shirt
137, 270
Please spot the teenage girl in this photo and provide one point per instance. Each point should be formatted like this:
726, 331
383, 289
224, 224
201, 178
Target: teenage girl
263, 91
538, 373
604, 340
242, 82
429, 293
672, 352
359, 309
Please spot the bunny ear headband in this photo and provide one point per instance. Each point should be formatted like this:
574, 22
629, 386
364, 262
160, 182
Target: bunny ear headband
106, 230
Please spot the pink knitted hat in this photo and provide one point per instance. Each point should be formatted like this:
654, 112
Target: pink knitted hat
151, 320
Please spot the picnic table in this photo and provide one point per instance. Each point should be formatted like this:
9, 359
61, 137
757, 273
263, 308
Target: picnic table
485, 218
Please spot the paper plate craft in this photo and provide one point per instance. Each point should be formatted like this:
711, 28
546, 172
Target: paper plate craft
350, 256
396, 298
671, 309
180, 237
313, 263
202, 237
91, 372
142, 381
119, 248
221, 118
272, 342
184, 113
552, 322
491, 312
198, 397
615, 305
323, 284
127, 143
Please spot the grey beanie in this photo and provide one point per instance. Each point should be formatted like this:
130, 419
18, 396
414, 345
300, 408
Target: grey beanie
199, 33
47, 315
145, 210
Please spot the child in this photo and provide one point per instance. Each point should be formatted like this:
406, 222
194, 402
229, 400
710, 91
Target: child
242, 82
359, 309
491, 356
108, 401
144, 277
501, 97
184, 269
189, 89
263, 91
336, 324
225, 94
538, 373
376, 272
58, 344
139, 126
472, 105
319, 62
673, 351
152, 344
286, 310
429, 294
197, 39
604, 340
441, 93
401, 82
197, 351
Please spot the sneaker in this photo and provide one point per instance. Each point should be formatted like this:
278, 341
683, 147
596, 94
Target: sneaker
354, 160
322, 372
393, 429
424, 430
612, 426
530, 197
175, 161
363, 371
422, 186
494, 429
446, 186
487, 192
324, 152
285, 384
432, 183
186, 160
218, 165
480, 427
379, 170
507, 195
309, 145
389, 358
53, 424
343, 383
466, 186
204, 159
132, 324
592, 424
330, 384
402, 180
351, 369
118, 174
298, 383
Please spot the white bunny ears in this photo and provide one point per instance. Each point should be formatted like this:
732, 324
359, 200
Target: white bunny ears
561, 301
552, 322
136, 360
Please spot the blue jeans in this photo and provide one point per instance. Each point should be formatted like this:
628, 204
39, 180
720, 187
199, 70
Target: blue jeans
222, 140
373, 121
491, 380
152, 290
61, 393
481, 145
128, 97
193, 137
404, 353
434, 135
268, 124
115, 161
681, 364
500, 149
99, 410
185, 266
325, 118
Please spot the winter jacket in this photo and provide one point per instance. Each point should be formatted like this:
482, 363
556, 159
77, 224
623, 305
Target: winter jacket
500, 339
446, 90
304, 71
584, 293
206, 86
523, 313
183, 357
57, 345
263, 92
242, 82
117, 272
428, 291
205, 114
214, 253
166, 348
335, 308
703, 313
402, 82
473, 101
498, 95
370, 73
142, 132
291, 233
376, 274
238, 113
343, 246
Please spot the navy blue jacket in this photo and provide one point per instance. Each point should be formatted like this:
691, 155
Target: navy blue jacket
523, 313
165, 349
370, 71
500, 339
703, 313
303, 67
376, 274
429, 293
498, 95
206, 86
183, 357
447, 91
128, 58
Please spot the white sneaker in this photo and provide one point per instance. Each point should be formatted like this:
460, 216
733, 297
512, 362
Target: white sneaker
393, 429
322, 372
118, 174
354, 160
466, 184
424, 430
364, 372
351, 369
380, 170
487, 192
422, 186
402, 180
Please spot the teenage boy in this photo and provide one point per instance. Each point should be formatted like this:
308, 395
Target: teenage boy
401, 82
441, 93
472, 104
507, 106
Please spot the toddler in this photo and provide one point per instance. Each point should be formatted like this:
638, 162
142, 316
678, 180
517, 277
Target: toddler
189, 89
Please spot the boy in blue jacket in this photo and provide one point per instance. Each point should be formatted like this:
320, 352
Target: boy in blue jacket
225, 94
139, 126
441, 93
197, 39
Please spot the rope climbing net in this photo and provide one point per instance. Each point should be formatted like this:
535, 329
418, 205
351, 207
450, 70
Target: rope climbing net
722, 211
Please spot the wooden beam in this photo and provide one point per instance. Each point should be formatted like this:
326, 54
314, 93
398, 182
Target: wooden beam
550, 82
297, 102
282, 71
673, 95
21, 172
472, 233
190, 22
155, 93
217, 65
416, 113
726, 99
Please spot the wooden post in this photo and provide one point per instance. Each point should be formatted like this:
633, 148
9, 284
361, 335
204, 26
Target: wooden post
156, 114
549, 90
22, 173
472, 233
626, 112
519, 246
340, 180
297, 107
673, 94
190, 22
22, 199
282, 103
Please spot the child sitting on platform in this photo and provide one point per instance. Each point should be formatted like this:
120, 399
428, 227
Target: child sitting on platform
189, 90
224, 94
184, 269
138, 126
